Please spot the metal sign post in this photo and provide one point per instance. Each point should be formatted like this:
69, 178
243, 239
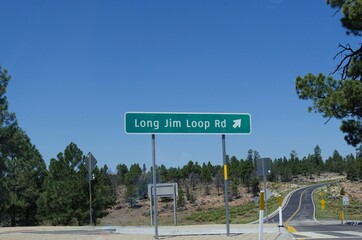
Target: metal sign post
261, 214
164, 190
154, 184
90, 163
226, 186
263, 169
264, 180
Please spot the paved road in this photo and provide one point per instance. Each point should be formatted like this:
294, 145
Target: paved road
299, 215
329, 231
299, 208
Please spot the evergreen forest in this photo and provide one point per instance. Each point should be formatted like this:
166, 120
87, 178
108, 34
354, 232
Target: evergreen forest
33, 193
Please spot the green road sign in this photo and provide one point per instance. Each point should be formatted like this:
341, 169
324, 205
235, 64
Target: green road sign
187, 123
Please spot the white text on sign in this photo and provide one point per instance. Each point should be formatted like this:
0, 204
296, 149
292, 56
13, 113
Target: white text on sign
169, 123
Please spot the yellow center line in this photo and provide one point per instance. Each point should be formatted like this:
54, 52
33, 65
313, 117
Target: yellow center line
290, 228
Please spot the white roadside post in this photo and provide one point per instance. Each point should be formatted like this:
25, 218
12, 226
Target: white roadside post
345, 201
261, 214
280, 201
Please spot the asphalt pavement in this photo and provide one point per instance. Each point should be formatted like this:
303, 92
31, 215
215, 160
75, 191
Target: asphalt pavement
298, 207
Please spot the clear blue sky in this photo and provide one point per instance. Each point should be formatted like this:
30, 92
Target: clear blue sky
78, 66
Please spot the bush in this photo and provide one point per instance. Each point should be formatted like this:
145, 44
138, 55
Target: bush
181, 198
342, 192
192, 198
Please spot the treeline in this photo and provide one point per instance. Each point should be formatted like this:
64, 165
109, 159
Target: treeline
241, 172
31, 193
284, 169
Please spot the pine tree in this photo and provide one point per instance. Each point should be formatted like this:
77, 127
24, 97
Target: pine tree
122, 170
181, 202
219, 180
351, 169
103, 195
64, 201
340, 98
163, 174
318, 163
8, 126
25, 172
8, 122
359, 161
206, 173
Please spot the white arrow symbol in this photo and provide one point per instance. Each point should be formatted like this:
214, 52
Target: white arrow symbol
237, 123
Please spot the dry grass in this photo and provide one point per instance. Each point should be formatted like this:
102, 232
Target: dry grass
207, 206
332, 196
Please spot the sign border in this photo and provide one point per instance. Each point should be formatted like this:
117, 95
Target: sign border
189, 113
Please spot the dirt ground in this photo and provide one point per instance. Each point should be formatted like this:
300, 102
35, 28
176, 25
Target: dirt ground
123, 215
353, 190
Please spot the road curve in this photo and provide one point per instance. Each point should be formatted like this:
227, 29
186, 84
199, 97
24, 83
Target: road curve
300, 208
